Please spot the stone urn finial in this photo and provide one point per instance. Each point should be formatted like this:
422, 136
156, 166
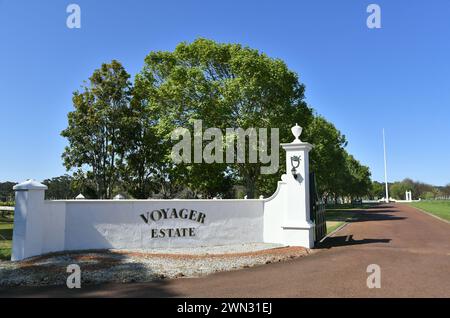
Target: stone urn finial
297, 131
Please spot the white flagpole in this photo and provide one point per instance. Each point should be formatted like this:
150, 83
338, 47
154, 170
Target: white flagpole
385, 169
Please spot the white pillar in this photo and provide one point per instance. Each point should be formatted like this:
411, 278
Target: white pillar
28, 220
408, 196
298, 230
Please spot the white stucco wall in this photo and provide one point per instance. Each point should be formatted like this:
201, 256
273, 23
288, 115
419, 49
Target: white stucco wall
50, 226
118, 224
104, 224
273, 216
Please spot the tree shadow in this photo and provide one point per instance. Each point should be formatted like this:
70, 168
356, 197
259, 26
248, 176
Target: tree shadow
103, 274
376, 216
347, 240
154, 289
362, 215
380, 206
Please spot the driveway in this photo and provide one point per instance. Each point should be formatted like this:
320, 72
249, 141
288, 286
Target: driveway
411, 248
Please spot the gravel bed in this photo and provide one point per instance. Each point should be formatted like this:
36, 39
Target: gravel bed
142, 265
211, 250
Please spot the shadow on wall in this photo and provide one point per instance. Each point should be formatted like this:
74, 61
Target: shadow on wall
81, 235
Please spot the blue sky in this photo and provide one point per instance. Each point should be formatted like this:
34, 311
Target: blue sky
396, 77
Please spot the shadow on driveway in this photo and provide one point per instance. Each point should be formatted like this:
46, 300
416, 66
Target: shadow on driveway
346, 240
154, 289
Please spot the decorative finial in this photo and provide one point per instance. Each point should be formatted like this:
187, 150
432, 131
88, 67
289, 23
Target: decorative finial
119, 197
296, 131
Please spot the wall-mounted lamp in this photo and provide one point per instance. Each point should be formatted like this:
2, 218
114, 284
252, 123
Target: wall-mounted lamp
295, 163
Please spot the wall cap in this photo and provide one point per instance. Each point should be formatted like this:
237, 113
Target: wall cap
297, 146
30, 185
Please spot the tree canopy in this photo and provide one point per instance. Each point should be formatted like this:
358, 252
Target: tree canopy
98, 128
120, 134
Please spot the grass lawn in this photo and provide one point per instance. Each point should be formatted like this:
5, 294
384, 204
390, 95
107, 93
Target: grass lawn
6, 230
438, 208
338, 214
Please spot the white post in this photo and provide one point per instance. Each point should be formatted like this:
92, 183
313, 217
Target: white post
385, 169
409, 196
28, 220
298, 230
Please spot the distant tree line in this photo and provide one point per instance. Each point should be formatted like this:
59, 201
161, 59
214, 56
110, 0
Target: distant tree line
67, 187
6, 191
63, 187
419, 190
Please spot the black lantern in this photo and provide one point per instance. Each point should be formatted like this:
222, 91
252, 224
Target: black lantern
295, 163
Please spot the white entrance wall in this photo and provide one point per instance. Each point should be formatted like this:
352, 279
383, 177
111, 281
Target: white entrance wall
112, 224
42, 226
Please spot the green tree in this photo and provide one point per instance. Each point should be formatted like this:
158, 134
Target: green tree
327, 157
6, 191
358, 183
98, 128
397, 190
60, 188
446, 190
429, 195
377, 190
226, 86
143, 153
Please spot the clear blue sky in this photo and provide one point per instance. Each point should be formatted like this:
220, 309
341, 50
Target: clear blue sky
361, 79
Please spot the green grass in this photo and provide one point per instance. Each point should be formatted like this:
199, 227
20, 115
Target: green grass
438, 208
6, 231
331, 226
